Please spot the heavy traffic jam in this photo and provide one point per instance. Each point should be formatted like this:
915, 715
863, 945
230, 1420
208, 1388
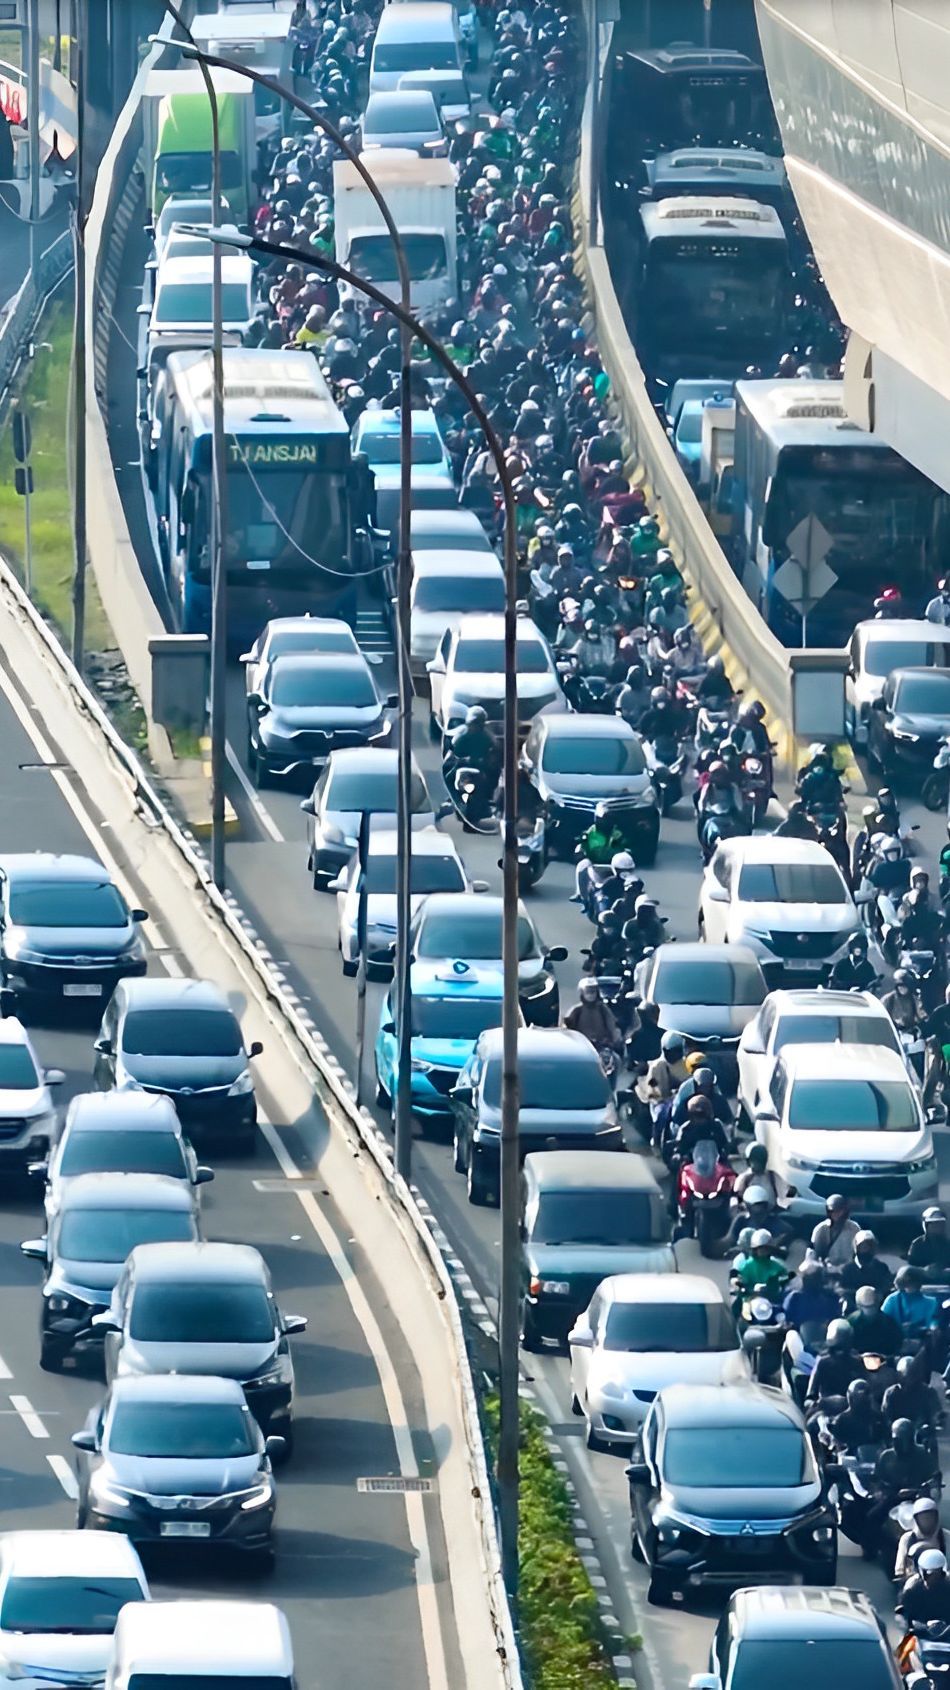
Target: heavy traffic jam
734, 999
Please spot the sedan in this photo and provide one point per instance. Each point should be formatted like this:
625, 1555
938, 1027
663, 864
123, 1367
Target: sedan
356, 783
27, 1117
465, 926
404, 118
66, 932
707, 993
578, 762
61, 1593
306, 706
909, 720
643, 1331
436, 867
376, 435
805, 1018
287, 636
118, 1133
169, 1458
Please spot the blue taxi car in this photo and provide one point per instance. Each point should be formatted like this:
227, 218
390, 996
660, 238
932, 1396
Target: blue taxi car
452, 1004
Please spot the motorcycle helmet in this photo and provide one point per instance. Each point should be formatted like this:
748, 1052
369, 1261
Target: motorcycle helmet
693, 1061
835, 1204
762, 1240
650, 1013
755, 1196
744, 1239
906, 1367
757, 1155
588, 991
890, 847
934, 1217
811, 1271
602, 813
858, 1393
672, 1045
919, 877
865, 1243
608, 923
857, 944
699, 1108
716, 666
908, 1278
659, 696
643, 906
839, 1335
902, 1437
719, 773
866, 1297
475, 716
902, 981
635, 676
622, 863
704, 1080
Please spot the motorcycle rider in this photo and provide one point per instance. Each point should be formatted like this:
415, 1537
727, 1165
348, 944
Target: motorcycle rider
634, 696
875, 1333
702, 1082
912, 1397
832, 1241
797, 824
929, 1252
861, 847
888, 875
834, 1371
596, 849
757, 1210
758, 1172
854, 972
646, 930
687, 658
938, 609
864, 1268
921, 922
812, 1301
715, 688
645, 1042
473, 746
750, 722
659, 720
902, 1003
719, 801
606, 947
760, 1267
819, 784
594, 1018
659, 1085
861, 1423
915, 1312
925, 1533
700, 1123
926, 1595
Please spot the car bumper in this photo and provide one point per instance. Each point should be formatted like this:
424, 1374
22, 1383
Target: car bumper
910, 754
211, 1115
570, 822
215, 1523
486, 1151
270, 1404
72, 1329
898, 1194
70, 984
748, 1558
553, 1316
21, 1144
330, 859
617, 1420
286, 762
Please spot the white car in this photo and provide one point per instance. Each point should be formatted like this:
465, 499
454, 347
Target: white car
450, 531
806, 1017
436, 867
877, 648
786, 899
60, 1596
643, 1331
288, 636
469, 668
27, 1116
445, 587
853, 1124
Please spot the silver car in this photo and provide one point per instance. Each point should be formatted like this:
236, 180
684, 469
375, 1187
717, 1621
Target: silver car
119, 1132
27, 1117
286, 636
407, 119
356, 782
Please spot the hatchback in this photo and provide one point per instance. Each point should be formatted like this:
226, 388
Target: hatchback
447, 531
66, 932
61, 1593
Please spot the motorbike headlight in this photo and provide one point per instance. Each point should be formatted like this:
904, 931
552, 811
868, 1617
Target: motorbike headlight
258, 1497
242, 1085
556, 1287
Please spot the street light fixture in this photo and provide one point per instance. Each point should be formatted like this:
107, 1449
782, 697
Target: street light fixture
508, 1322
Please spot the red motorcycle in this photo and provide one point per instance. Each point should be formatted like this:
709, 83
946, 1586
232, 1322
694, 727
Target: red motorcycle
703, 1197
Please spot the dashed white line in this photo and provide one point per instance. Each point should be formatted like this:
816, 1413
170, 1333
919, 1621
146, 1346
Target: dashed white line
65, 1475
256, 802
4, 1370
29, 1416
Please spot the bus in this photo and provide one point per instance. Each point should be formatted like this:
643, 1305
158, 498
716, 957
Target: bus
739, 172
714, 286
798, 454
684, 96
298, 503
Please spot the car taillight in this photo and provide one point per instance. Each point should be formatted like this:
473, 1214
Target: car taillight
534, 1286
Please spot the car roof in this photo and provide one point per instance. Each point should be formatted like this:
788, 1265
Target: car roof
376, 420
204, 1638
49, 865
914, 670
435, 978
813, 1002
228, 1263
851, 1062
426, 842
316, 624
366, 759
553, 1044
804, 1612
456, 521
235, 267
117, 1111
770, 848
127, 1191
177, 1387
158, 991
400, 99
910, 628
487, 904
448, 562
490, 624
697, 951
345, 662
584, 726
589, 1170
709, 1406
661, 1288
56, 1554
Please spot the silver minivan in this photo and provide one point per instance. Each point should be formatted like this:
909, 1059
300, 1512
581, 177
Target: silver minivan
417, 35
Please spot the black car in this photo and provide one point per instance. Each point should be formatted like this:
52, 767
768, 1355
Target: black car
577, 762
909, 720
791, 1634
307, 705
584, 1216
181, 1038
707, 993
724, 1489
66, 932
165, 1458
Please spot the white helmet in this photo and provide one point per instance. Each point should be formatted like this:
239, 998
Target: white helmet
622, 863
760, 1239
890, 846
932, 1561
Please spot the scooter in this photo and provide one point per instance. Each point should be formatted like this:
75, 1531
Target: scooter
705, 1189
756, 785
667, 765
532, 852
923, 1654
935, 791
721, 820
800, 1351
762, 1326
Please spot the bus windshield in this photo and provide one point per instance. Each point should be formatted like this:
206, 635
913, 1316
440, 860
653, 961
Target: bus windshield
283, 519
714, 296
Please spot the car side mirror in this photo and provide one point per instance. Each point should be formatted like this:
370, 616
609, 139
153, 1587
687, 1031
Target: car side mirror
479, 885
581, 1338
308, 806
718, 893
556, 953
388, 1027
103, 1046
750, 1047
275, 1447
293, 1323
203, 1175
105, 1321
338, 884
139, 915
35, 1248
54, 1076
444, 811
85, 1440
937, 1114
255, 1049
392, 700
764, 1113
246, 657
638, 1473
256, 702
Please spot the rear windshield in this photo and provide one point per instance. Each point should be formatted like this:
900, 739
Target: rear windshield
374, 793
371, 256
291, 641
882, 657
209, 1313
415, 55
427, 874
131, 1152
384, 448
574, 1082
181, 1032
599, 1217
457, 593
823, 1663
190, 302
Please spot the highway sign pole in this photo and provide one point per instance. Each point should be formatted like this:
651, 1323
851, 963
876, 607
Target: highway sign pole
22, 443
362, 849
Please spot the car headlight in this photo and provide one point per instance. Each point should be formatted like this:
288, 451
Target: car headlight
18, 951
272, 1375
763, 934
242, 1085
258, 1497
923, 1165
556, 1287
60, 1303
104, 1490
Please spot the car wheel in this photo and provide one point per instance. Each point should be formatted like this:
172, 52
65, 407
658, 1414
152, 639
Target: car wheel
247, 1143
646, 853
475, 1182
701, 925
659, 1591
82, 1515
531, 1339
258, 769
458, 1154
636, 1553
317, 874
51, 1354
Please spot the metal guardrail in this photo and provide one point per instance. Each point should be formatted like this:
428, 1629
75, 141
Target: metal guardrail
52, 265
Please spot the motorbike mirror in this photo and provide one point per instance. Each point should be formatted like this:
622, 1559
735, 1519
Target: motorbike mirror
556, 953
937, 1113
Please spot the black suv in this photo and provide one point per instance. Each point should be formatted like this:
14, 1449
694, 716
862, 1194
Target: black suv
725, 1490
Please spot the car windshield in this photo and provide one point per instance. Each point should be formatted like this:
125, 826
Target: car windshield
86, 1605
375, 793
853, 1106
426, 873
599, 1217
454, 1017
923, 695
882, 657
734, 1457
473, 934
181, 1032
717, 982
132, 1152
384, 448
190, 302
487, 657
67, 903
675, 1327
292, 641
323, 684
209, 1313
823, 1663
108, 1235
791, 883
457, 593
17, 1069
190, 1431
835, 1029
595, 754
571, 1082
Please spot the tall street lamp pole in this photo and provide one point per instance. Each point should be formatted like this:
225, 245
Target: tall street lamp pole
403, 1107
507, 1466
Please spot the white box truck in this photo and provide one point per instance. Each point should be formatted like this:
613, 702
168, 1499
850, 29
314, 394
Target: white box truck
421, 195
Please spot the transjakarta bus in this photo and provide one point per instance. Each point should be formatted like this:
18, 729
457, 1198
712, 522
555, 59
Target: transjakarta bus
297, 505
797, 454
684, 96
715, 282
740, 172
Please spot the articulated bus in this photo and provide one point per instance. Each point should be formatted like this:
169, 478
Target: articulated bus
739, 172
297, 504
684, 96
797, 454
714, 286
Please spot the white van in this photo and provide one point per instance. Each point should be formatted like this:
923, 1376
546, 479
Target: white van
416, 35
219, 1642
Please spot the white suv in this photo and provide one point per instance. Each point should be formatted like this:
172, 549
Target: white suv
469, 668
806, 1018
27, 1116
849, 1118
786, 899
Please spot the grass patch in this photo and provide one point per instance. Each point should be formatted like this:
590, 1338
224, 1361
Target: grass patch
558, 1614
43, 389
188, 744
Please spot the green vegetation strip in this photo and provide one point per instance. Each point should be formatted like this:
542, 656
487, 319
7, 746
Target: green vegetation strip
558, 1616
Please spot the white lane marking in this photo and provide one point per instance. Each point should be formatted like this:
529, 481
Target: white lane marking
254, 799
429, 1619
65, 1475
4, 1370
29, 1416
90, 828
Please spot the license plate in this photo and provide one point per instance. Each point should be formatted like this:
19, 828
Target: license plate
90, 991
806, 963
186, 1528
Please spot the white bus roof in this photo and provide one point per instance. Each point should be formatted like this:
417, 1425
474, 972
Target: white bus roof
733, 163
247, 27
710, 216
279, 391
808, 413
